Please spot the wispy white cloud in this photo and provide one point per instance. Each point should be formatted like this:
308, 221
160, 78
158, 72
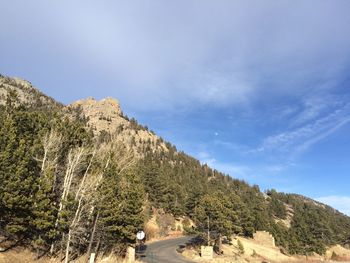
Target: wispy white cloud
235, 170
321, 134
231, 145
341, 203
312, 109
243, 171
277, 168
203, 156
218, 53
297, 140
266, 173
316, 105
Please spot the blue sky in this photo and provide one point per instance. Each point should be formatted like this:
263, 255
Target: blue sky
257, 89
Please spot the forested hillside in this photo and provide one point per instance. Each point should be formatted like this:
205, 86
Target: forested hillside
68, 188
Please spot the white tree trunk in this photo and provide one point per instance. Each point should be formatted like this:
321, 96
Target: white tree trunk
66, 259
74, 161
92, 236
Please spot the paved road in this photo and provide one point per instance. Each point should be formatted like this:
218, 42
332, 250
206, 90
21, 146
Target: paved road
165, 251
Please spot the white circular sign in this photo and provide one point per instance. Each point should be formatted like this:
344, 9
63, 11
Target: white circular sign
140, 235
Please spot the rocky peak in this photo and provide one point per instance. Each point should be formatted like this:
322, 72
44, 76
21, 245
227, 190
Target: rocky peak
102, 115
111, 102
107, 106
22, 82
106, 116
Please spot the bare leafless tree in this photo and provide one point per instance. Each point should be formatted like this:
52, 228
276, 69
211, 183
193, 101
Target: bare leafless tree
52, 142
123, 158
74, 164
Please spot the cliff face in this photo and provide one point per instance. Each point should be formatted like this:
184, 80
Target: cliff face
105, 118
104, 115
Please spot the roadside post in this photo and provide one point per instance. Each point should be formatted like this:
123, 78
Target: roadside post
207, 251
130, 254
139, 236
92, 258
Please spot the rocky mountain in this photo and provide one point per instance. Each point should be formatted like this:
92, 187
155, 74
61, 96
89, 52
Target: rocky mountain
105, 118
52, 157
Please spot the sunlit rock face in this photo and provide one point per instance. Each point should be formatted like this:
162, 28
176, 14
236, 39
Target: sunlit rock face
106, 117
103, 115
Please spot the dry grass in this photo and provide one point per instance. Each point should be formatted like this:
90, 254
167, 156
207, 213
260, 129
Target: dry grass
151, 230
341, 253
113, 259
25, 256
255, 252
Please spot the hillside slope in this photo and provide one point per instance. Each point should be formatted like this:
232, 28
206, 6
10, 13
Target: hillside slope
53, 157
27, 94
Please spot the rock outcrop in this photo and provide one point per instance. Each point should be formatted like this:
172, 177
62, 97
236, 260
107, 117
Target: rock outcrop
104, 115
106, 119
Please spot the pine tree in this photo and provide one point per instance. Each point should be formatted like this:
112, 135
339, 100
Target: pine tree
218, 209
18, 171
120, 206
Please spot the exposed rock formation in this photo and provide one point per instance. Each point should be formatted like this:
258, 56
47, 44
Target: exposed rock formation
287, 222
106, 119
103, 115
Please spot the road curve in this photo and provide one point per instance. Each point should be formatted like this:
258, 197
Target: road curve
164, 251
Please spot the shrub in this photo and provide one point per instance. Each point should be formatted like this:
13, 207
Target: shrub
240, 247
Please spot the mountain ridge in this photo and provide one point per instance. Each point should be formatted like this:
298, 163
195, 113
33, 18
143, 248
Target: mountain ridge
26, 93
97, 112
172, 181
